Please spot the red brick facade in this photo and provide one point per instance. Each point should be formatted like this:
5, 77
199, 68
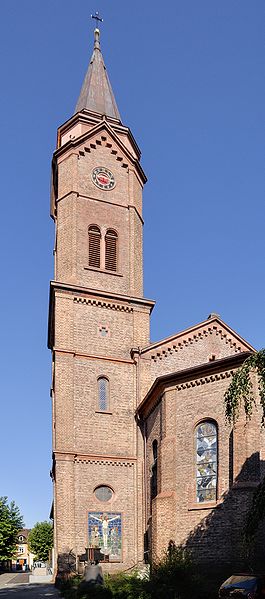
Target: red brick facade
156, 392
94, 447
170, 413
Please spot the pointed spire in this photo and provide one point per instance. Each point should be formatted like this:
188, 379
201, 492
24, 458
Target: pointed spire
96, 93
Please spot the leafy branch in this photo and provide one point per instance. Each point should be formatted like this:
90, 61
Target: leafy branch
240, 391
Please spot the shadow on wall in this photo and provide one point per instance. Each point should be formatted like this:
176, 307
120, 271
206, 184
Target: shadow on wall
66, 567
219, 541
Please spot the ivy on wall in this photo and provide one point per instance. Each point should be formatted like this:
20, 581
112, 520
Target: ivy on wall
240, 391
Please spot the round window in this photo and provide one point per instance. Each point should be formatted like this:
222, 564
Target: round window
103, 493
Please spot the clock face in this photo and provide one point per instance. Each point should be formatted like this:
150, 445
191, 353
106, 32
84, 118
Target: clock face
103, 178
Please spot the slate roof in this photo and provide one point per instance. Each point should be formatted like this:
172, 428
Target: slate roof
96, 92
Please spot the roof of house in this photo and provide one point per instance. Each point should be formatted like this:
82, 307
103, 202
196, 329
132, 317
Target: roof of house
24, 532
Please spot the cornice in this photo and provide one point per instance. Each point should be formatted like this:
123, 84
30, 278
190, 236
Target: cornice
83, 355
105, 462
97, 293
103, 304
105, 201
204, 380
108, 460
104, 299
95, 118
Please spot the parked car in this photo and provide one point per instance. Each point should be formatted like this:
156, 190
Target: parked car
39, 564
243, 586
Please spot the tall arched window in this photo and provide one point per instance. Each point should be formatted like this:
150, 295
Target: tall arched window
103, 394
94, 246
111, 240
206, 461
154, 471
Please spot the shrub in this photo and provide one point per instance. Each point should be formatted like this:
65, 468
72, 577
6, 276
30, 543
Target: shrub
176, 576
128, 586
96, 591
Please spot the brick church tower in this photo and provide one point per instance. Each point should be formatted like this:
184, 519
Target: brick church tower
97, 316
141, 449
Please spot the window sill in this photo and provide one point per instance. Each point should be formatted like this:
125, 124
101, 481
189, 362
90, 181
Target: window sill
209, 505
103, 412
104, 271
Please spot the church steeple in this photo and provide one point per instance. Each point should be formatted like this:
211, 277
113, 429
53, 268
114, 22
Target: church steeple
97, 315
97, 171
96, 93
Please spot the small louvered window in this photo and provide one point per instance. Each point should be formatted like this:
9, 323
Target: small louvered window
111, 240
103, 394
94, 246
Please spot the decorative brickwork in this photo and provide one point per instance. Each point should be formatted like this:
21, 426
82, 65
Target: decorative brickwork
101, 304
232, 344
125, 413
103, 141
104, 462
206, 379
85, 301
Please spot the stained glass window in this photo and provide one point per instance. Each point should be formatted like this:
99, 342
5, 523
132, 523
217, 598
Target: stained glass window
103, 393
105, 533
206, 461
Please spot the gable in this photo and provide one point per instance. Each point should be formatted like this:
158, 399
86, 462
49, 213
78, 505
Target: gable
121, 143
206, 342
103, 145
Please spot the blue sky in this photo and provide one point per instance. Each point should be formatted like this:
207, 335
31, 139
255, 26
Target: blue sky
188, 78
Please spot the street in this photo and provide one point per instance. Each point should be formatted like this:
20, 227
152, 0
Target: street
16, 585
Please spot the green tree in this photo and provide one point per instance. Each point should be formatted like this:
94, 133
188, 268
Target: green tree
11, 522
239, 394
40, 540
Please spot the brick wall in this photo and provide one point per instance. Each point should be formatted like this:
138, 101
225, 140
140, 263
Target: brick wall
92, 447
82, 430
80, 204
189, 349
213, 531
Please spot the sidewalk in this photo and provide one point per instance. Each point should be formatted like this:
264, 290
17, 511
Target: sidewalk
6, 578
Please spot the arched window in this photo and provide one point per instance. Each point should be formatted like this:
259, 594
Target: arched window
103, 394
206, 461
111, 239
154, 471
154, 445
94, 246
